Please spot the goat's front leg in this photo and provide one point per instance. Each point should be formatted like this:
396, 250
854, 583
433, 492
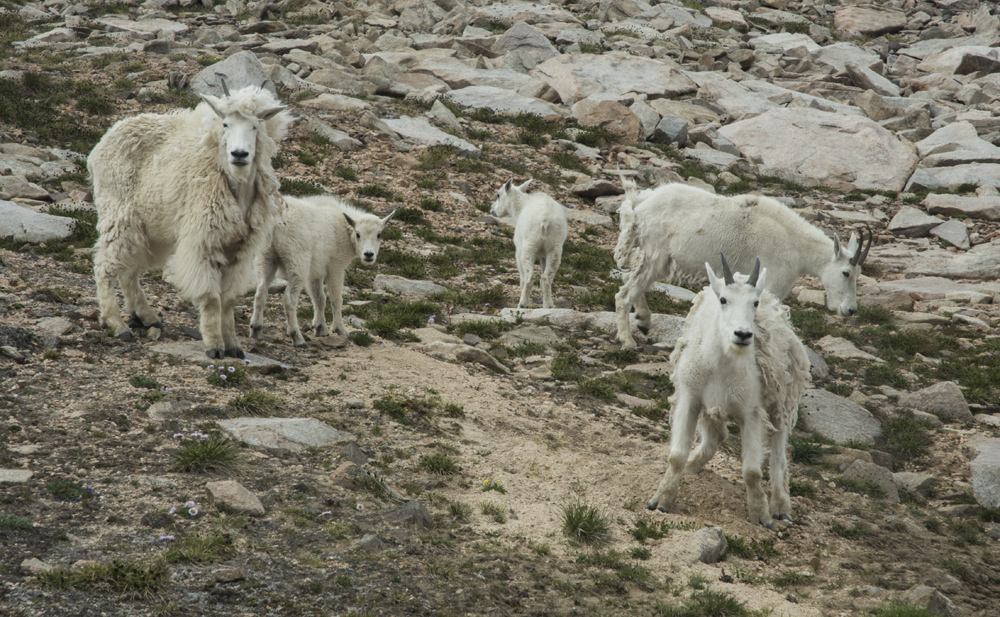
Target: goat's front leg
291, 305
781, 502
229, 338
318, 297
210, 325
752, 434
683, 423
105, 273
335, 282
265, 275
713, 432
643, 316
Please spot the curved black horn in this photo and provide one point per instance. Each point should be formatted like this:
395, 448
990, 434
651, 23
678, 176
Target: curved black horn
222, 80
856, 259
871, 239
727, 274
264, 83
754, 274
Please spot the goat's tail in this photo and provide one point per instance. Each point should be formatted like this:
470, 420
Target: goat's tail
627, 241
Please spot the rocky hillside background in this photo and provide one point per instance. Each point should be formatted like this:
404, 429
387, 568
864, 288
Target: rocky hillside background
456, 456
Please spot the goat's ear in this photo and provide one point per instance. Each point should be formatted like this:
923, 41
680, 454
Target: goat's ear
836, 247
386, 219
350, 221
270, 112
761, 279
852, 244
507, 185
524, 186
213, 103
713, 280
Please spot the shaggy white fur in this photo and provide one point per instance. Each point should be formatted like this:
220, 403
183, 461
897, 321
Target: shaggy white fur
318, 240
539, 231
736, 360
672, 230
196, 184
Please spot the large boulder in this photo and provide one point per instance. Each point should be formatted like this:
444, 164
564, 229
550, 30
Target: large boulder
501, 101
576, 77
30, 226
986, 208
240, 69
525, 40
950, 178
834, 417
944, 399
912, 223
609, 115
295, 434
985, 470
420, 131
869, 20
819, 148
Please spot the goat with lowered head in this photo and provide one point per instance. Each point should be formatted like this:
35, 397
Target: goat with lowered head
319, 238
670, 231
196, 184
737, 360
539, 231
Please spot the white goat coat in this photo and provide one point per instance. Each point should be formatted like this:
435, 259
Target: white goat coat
540, 231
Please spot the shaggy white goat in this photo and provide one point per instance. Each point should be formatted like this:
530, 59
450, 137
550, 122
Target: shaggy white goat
672, 230
318, 240
196, 184
539, 231
736, 360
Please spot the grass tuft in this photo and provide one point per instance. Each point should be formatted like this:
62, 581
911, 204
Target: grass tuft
585, 524
215, 454
133, 580
13, 522
256, 403
440, 464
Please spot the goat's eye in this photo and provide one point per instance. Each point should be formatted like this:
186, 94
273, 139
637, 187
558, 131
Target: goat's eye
225, 126
358, 235
756, 303
847, 274
379, 236
722, 300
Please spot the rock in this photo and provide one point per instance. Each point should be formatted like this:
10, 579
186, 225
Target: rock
727, 17
842, 348
933, 600
576, 77
913, 482
648, 117
665, 328
525, 39
240, 69
944, 399
588, 217
164, 410
818, 368
501, 100
869, 20
539, 335
947, 61
864, 77
896, 300
985, 208
336, 102
340, 140
144, 29
871, 472
705, 545
29, 226
420, 131
445, 116
345, 474
841, 458
834, 417
735, 98
431, 335
951, 178
474, 355
15, 476
953, 232
56, 325
839, 55
228, 575
34, 565
673, 291
784, 41
596, 188
671, 130
194, 352
406, 287
812, 296
231, 496
609, 115
293, 434
353, 452
412, 513
369, 542
819, 148
912, 223
929, 287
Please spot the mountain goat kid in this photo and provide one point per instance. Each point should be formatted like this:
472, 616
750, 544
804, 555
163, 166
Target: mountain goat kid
319, 239
539, 231
196, 184
736, 360
670, 231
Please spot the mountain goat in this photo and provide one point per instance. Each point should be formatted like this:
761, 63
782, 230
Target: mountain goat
672, 230
736, 360
539, 231
318, 240
196, 184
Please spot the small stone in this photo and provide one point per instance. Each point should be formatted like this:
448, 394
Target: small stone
471, 339
231, 496
413, 513
354, 403
228, 575
369, 542
933, 600
15, 476
345, 474
406, 287
944, 399
881, 476
157, 520
354, 454
34, 565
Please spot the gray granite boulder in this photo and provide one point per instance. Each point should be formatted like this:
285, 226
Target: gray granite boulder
406, 287
984, 208
953, 232
933, 600
30, 226
240, 69
985, 470
231, 496
944, 399
912, 223
501, 101
834, 417
705, 545
293, 434
420, 131
666, 329
914, 482
525, 39
870, 472
576, 77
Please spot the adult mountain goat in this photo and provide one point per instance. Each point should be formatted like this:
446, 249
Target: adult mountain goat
196, 184
320, 237
672, 230
539, 232
736, 360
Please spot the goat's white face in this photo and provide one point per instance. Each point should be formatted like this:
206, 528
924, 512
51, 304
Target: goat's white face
239, 134
366, 236
738, 302
506, 196
840, 276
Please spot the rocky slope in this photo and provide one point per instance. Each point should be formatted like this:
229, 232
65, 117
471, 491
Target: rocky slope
431, 464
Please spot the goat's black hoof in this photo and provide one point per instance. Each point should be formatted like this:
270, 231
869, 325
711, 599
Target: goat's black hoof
125, 336
235, 352
651, 506
135, 322
781, 517
215, 353
256, 331
768, 526
644, 330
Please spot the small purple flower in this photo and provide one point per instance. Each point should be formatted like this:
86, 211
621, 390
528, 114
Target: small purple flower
166, 537
189, 504
211, 366
178, 435
193, 511
222, 377
172, 510
232, 369
164, 389
431, 319
246, 361
360, 507
222, 368
487, 304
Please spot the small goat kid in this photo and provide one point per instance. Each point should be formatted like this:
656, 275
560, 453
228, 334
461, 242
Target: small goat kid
196, 184
737, 360
670, 231
539, 231
318, 240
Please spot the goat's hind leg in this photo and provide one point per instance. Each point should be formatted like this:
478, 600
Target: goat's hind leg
136, 303
105, 273
633, 287
291, 304
781, 502
550, 264
684, 421
643, 316
318, 297
265, 276
526, 268
210, 325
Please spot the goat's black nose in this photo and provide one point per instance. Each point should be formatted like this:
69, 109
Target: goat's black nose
852, 311
369, 254
239, 154
742, 335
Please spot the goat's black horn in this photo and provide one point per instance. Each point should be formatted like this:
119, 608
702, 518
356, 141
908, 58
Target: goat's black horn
222, 80
754, 274
264, 83
727, 274
871, 239
856, 259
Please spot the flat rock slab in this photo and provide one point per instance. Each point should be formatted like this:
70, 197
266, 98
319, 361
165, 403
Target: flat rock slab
986, 208
501, 101
985, 470
406, 287
815, 147
231, 496
953, 232
843, 348
29, 226
666, 329
576, 77
930, 287
705, 545
194, 352
834, 417
15, 476
293, 434
240, 70
912, 223
420, 131
146, 27
950, 178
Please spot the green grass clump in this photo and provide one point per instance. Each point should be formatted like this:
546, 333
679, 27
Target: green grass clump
855, 532
142, 381
566, 367
493, 485
406, 410
790, 579
410, 216
198, 548
256, 403
896, 608
299, 188
13, 522
585, 524
227, 375
34, 103
361, 338
132, 580
873, 314
839, 388
431, 205
707, 603
345, 173
440, 464
807, 452
569, 161
216, 454
906, 437
640, 552
648, 529
59, 295
802, 488
751, 549
385, 316
65, 489
885, 374
377, 191
494, 510
460, 511
486, 330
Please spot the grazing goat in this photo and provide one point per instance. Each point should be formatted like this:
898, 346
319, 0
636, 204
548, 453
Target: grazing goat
539, 231
736, 360
318, 240
196, 184
672, 230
